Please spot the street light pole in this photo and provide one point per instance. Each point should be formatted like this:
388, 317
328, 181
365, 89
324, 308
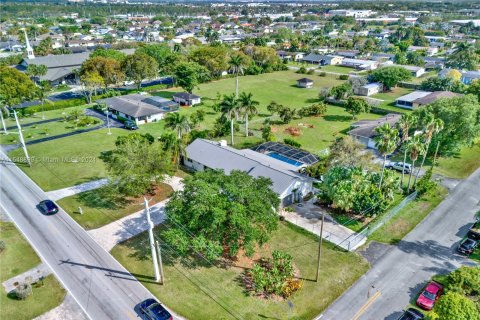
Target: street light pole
152, 241
320, 248
22, 141
160, 263
108, 124
3, 123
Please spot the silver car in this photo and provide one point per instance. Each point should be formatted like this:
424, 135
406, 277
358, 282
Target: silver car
400, 166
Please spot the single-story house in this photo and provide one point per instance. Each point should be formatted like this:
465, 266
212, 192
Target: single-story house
186, 99
322, 59
139, 108
364, 130
368, 89
420, 98
469, 76
348, 53
430, 51
414, 70
360, 64
290, 56
288, 183
305, 83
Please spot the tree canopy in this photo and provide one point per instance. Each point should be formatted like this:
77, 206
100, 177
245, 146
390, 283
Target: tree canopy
15, 87
218, 213
188, 75
139, 67
390, 76
355, 106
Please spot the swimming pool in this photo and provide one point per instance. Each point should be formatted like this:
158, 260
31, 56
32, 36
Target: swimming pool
284, 159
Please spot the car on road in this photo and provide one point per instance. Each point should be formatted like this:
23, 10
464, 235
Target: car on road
48, 207
399, 166
474, 232
411, 314
130, 125
467, 246
153, 310
429, 295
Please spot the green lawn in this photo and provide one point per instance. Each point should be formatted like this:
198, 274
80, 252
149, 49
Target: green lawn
100, 208
190, 290
16, 258
411, 215
68, 161
337, 69
389, 98
40, 116
461, 165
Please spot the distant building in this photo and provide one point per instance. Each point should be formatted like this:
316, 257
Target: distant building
364, 130
420, 98
414, 70
368, 89
305, 83
186, 99
352, 13
360, 64
322, 59
469, 76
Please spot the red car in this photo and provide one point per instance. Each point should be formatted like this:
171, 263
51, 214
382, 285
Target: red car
430, 295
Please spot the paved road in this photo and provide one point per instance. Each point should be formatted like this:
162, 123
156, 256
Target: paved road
99, 284
401, 273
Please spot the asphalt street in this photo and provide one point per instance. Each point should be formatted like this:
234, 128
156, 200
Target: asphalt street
99, 284
398, 277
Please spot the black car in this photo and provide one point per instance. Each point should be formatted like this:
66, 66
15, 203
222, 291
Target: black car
48, 207
154, 310
467, 246
411, 314
130, 125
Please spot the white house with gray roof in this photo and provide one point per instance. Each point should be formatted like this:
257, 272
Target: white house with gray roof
288, 183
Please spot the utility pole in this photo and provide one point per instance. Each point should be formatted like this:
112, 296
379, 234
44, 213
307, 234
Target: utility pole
20, 134
3, 122
320, 248
160, 263
152, 242
108, 124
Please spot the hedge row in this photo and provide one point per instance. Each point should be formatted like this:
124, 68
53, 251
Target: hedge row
54, 105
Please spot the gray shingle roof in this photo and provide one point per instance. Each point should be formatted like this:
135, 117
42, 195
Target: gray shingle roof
132, 105
214, 156
366, 128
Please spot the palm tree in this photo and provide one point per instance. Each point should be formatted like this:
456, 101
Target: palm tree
415, 147
177, 122
236, 65
176, 146
229, 107
434, 126
405, 123
248, 106
42, 94
386, 142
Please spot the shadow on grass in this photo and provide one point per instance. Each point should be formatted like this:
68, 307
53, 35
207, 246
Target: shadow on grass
312, 100
337, 118
102, 198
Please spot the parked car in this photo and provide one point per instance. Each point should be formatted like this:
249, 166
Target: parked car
474, 232
467, 246
153, 310
399, 166
429, 295
48, 207
411, 314
128, 83
130, 125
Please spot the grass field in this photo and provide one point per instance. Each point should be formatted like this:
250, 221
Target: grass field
461, 165
190, 290
16, 258
411, 215
99, 208
337, 69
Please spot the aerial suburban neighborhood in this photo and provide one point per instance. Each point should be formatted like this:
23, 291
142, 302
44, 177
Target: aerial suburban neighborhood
203, 160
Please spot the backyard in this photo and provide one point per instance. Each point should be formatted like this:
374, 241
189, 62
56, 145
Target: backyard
16, 258
198, 290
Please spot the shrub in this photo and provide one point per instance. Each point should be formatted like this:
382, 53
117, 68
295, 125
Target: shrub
292, 142
343, 77
425, 184
2, 245
23, 290
52, 106
87, 121
310, 71
313, 110
291, 286
322, 74
302, 70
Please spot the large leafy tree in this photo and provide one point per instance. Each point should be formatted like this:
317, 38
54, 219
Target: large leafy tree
355, 106
165, 57
442, 84
108, 53
386, 142
109, 69
35, 71
188, 75
218, 213
137, 164
248, 107
15, 87
348, 152
91, 82
465, 57
214, 58
139, 67
453, 305
390, 76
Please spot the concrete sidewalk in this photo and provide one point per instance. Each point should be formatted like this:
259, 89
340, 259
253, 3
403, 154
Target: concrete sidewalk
70, 191
308, 216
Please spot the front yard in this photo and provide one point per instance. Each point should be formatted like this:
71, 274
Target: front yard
200, 291
16, 258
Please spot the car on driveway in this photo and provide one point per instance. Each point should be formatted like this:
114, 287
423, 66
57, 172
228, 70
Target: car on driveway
153, 310
48, 207
399, 166
467, 246
411, 314
474, 232
130, 125
429, 295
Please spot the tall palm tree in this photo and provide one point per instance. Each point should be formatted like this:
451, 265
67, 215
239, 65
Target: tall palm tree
415, 148
176, 146
432, 129
178, 123
229, 107
405, 123
248, 106
236, 63
386, 142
